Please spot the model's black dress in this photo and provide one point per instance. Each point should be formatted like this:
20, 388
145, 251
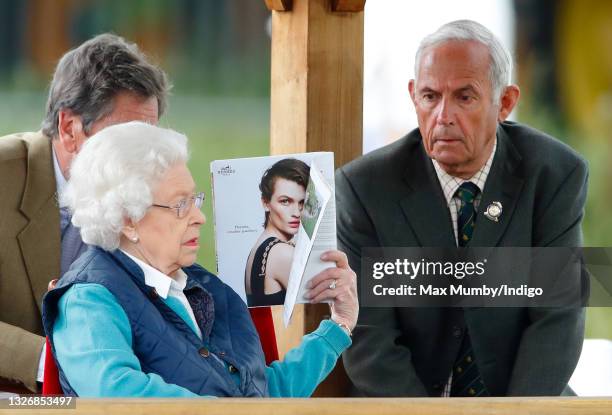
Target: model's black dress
258, 275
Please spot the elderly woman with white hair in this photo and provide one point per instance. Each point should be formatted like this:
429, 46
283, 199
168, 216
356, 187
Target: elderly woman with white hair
134, 316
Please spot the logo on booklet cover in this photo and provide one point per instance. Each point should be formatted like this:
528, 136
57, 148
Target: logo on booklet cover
226, 170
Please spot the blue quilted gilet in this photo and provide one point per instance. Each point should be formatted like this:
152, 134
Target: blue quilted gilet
161, 340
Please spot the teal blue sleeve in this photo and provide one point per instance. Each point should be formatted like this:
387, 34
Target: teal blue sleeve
93, 345
307, 365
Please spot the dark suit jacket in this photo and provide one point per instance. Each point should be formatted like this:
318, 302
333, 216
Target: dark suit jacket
29, 250
392, 197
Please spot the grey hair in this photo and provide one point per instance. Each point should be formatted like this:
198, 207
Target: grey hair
500, 57
113, 177
87, 79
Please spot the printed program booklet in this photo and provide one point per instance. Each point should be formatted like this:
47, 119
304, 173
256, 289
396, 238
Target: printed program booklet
300, 225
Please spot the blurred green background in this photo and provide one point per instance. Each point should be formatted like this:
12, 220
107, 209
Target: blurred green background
217, 54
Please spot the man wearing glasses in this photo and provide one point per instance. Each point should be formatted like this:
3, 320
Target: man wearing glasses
104, 81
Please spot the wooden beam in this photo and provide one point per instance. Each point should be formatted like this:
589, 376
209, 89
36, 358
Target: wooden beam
286, 338
317, 81
316, 105
279, 5
348, 5
346, 406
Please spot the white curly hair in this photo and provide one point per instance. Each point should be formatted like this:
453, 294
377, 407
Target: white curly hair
114, 175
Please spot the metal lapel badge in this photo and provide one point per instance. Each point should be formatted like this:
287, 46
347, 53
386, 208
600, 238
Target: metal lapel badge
494, 211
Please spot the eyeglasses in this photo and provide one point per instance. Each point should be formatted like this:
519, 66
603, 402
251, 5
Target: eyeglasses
184, 206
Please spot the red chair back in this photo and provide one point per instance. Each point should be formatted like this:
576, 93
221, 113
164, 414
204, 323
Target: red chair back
51, 384
262, 318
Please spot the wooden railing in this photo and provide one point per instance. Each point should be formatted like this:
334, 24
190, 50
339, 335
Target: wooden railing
340, 406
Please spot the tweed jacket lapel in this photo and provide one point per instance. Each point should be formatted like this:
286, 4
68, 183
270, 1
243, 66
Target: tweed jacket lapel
503, 185
424, 206
39, 241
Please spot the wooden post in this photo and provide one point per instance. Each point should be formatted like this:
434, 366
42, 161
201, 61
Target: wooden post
316, 105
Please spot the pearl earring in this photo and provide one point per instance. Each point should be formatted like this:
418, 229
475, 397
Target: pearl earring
134, 239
